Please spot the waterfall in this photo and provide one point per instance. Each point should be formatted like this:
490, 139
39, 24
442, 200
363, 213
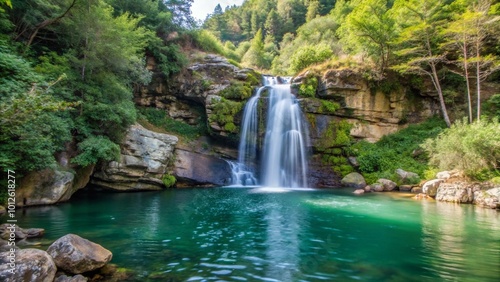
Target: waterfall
284, 148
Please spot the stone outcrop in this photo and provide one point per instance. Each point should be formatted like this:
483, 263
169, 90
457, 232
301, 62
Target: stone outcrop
457, 192
195, 169
184, 95
51, 186
430, 187
488, 199
372, 113
30, 265
144, 159
77, 255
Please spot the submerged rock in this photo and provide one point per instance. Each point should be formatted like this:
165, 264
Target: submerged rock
354, 180
359, 191
30, 265
76, 278
19, 232
76, 255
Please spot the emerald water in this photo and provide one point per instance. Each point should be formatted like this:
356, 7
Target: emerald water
252, 234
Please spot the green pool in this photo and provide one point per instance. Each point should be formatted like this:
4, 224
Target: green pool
245, 234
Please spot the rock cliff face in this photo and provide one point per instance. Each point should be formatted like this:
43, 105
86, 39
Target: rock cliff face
211, 84
51, 186
340, 104
372, 113
144, 159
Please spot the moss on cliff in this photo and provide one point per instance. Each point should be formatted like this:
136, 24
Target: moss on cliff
224, 113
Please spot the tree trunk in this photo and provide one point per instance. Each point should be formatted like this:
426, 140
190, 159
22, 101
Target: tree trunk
466, 69
437, 84
46, 23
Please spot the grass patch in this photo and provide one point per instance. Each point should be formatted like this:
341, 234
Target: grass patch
158, 120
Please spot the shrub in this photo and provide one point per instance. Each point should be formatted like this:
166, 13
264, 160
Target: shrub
96, 148
381, 159
329, 107
469, 147
168, 180
308, 87
159, 118
309, 55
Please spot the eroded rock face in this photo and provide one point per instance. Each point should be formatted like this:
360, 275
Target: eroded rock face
45, 187
30, 265
457, 192
144, 158
194, 169
372, 114
489, 198
183, 95
76, 255
430, 187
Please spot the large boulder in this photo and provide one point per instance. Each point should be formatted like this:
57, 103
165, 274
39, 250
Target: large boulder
457, 192
489, 198
76, 255
354, 180
30, 265
389, 185
144, 159
406, 177
51, 186
430, 187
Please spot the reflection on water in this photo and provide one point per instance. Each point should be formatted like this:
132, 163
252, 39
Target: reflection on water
451, 243
263, 235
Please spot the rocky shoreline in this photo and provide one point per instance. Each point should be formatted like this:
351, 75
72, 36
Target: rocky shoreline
70, 258
448, 186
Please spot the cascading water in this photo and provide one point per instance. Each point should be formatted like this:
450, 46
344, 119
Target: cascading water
284, 149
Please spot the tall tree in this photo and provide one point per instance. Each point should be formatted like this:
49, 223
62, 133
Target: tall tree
369, 28
420, 41
313, 10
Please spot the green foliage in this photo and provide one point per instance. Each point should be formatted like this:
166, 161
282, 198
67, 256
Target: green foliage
398, 150
237, 90
33, 123
329, 107
96, 148
492, 106
337, 134
169, 180
309, 55
254, 57
160, 118
208, 42
472, 148
369, 28
308, 87
224, 112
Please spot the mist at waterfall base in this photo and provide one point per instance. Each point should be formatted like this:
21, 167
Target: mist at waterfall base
283, 158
